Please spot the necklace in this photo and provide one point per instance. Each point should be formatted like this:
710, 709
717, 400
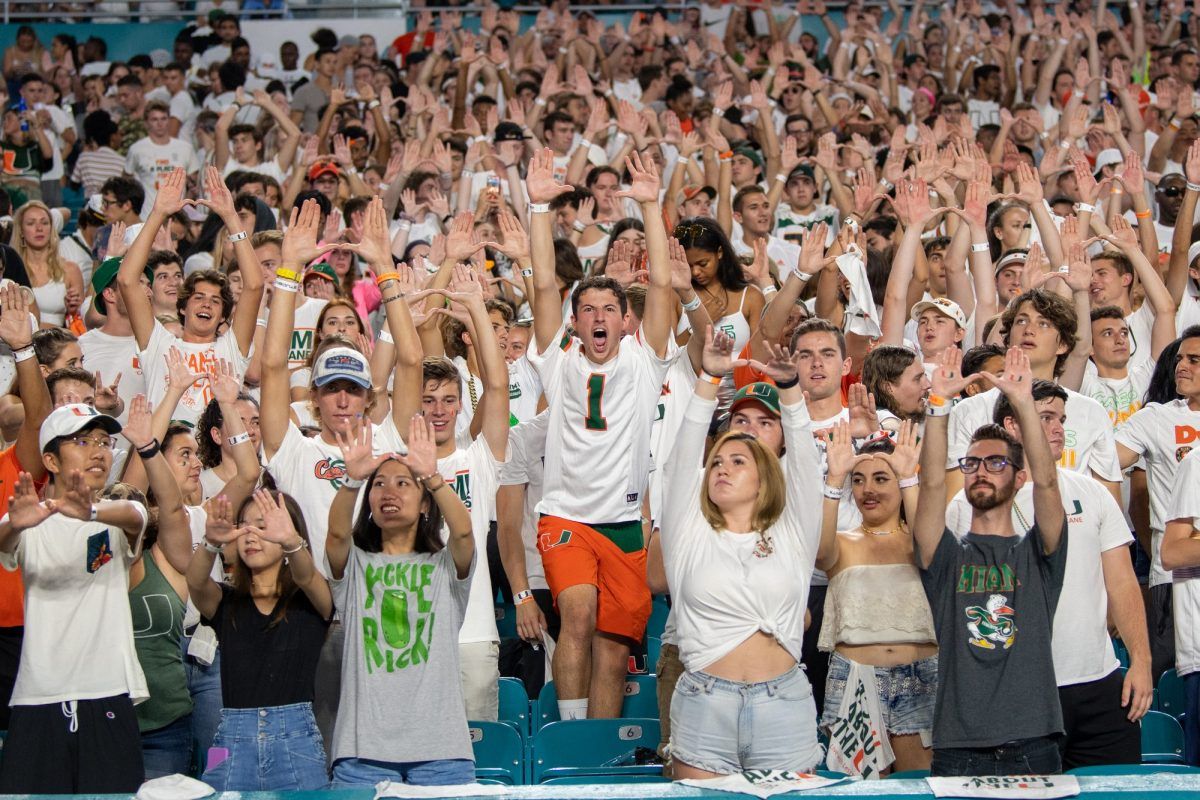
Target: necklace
898, 529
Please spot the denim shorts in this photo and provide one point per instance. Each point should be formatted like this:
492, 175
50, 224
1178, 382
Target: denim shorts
349, 773
906, 694
270, 749
726, 727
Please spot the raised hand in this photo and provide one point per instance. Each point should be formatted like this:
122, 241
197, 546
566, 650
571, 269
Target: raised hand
300, 239
947, 380
780, 367
106, 400
717, 357
219, 200
839, 453
1029, 187
514, 241
681, 270
1078, 276
219, 527
1191, 166
277, 522
225, 382
24, 508
863, 415
812, 249
137, 428
646, 181
15, 327
758, 272
460, 241
179, 372
76, 501
170, 196
422, 450
539, 182
906, 454
587, 211
357, 453
1017, 379
375, 247
619, 264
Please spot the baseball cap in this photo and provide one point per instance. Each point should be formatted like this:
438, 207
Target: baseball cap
323, 168
71, 419
321, 269
1011, 257
509, 132
693, 189
943, 305
341, 363
749, 153
764, 393
802, 171
96, 203
1108, 158
1193, 252
160, 58
104, 275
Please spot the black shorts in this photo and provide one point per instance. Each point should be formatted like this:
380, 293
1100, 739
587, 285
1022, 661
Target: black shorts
77, 747
1098, 730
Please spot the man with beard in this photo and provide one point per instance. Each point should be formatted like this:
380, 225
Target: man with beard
896, 377
992, 587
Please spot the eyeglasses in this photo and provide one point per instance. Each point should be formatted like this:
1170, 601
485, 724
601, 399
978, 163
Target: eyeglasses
994, 464
93, 442
1171, 191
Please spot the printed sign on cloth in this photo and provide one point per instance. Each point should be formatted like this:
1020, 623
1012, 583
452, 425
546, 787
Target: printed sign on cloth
858, 742
764, 782
1019, 786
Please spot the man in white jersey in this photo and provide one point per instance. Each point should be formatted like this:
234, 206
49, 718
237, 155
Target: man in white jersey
204, 304
1163, 434
1181, 554
603, 395
1100, 706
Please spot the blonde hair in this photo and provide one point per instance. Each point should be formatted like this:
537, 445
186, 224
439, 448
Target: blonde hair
55, 267
771, 487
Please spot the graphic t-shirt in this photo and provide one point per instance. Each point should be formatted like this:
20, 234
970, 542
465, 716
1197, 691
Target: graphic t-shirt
200, 356
401, 691
993, 600
304, 331
148, 163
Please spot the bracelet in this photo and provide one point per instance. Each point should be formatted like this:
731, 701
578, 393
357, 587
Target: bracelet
692, 305
385, 277
832, 492
374, 104
1117, 190
539, 208
579, 226
284, 285
682, 160
237, 237
404, 224
803, 276
287, 274
94, 513
209, 546
980, 247
1088, 207
767, 291
1147, 214
391, 298
352, 483
585, 143
787, 384
523, 596
887, 184
149, 450
1064, 143
24, 353
780, 177
908, 483
238, 438
303, 544
713, 379
718, 112
1175, 124
539, 101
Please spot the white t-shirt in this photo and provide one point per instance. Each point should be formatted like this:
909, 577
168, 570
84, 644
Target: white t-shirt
600, 416
78, 627
304, 332
183, 108
527, 444
1082, 648
677, 390
1120, 397
785, 254
1185, 592
1162, 434
270, 168
112, 355
200, 357
524, 390
1089, 436
70, 249
148, 162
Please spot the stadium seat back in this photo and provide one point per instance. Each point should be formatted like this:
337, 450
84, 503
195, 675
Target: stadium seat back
499, 752
514, 705
659, 610
1134, 769
601, 748
1162, 739
641, 697
1172, 697
546, 708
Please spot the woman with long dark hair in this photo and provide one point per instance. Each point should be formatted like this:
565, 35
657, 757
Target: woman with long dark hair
271, 620
402, 595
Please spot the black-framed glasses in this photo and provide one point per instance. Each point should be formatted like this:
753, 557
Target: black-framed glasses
1171, 191
994, 464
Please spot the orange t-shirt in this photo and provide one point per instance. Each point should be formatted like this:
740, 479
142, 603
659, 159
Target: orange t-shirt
12, 589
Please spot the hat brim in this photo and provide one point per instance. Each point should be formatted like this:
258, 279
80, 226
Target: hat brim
104, 421
736, 404
338, 376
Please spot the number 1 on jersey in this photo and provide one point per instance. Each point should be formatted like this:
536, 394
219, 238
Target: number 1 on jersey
595, 421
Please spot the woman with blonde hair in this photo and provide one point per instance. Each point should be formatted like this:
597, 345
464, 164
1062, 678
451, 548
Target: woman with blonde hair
57, 284
739, 543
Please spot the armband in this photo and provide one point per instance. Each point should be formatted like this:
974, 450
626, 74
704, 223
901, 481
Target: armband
284, 285
24, 354
908, 483
980, 247
236, 439
780, 177
237, 237
523, 596
804, 277
713, 379
767, 291
1088, 207
1193, 187
692, 305
539, 208
832, 492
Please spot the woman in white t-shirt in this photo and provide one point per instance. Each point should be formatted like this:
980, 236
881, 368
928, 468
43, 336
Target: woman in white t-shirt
57, 284
739, 543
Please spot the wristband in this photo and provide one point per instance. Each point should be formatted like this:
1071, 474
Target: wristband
284, 285
908, 483
682, 160
237, 237
1117, 190
149, 450
287, 274
1064, 143
579, 226
1193, 187
1175, 124
527, 272
1088, 207
539, 208
238, 438
787, 384
767, 291
692, 305
95, 512
780, 177
980, 247
713, 379
352, 483
803, 276
585, 143
832, 492
726, 156
1147, 214
385, 277
385, 335
374, 104
523, 596
562, 51
24, 354
718, 112
936, 400
209, 546
303, 544
539, 101
404, 224
887, 184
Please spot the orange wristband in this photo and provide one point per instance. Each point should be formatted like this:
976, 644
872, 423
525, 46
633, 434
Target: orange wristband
387, 276
1143, 214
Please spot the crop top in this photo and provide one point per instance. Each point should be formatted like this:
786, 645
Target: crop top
876, 604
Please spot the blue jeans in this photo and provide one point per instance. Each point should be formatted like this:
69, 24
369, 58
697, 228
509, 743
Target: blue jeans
270, 750
168, 750
1191, 720
204, 684
351, 772
1038, 756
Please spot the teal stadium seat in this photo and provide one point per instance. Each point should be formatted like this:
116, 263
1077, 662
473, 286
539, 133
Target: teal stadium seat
909, 775
514, 705
1121, 651
658, 616
1172, 697
653, 649
499, 753
1134, 769
506, 619
641, 701
1162, 739
545, 709
582, 779
583, 747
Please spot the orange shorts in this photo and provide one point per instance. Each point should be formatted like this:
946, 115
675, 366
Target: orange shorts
574, 554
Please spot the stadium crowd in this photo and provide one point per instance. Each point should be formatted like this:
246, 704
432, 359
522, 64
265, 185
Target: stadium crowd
877, 349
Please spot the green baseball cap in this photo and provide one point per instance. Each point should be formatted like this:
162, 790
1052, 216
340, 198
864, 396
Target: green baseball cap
102, 278
321, 269
750, 153
763, 393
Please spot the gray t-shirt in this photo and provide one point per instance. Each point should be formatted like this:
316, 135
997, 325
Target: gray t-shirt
401, 691
310, 99
993, 600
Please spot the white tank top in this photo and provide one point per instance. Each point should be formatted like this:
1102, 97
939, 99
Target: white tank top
51, 302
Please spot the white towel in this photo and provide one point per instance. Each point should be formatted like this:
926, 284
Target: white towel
862, 317
174, 787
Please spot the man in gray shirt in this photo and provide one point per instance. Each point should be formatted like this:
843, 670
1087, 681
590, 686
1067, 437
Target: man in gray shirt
993, 593
310, 99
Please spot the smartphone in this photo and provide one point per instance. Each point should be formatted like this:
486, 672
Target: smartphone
493, 186
216, 757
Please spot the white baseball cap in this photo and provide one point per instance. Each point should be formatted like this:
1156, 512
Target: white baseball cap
1108, 158
943, 305
341, 363
71, 419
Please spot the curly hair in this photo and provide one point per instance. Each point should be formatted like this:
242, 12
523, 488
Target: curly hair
208, 448
1059, 312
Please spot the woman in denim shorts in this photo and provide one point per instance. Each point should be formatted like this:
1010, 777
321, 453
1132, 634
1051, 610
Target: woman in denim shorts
876, 612
738, 545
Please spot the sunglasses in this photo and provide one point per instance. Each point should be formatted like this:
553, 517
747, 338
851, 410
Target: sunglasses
994, 464
1171, 191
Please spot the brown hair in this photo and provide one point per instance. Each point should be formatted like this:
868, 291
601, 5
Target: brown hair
771, 485
882, 366
212, 276
285, 586
1058, 310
